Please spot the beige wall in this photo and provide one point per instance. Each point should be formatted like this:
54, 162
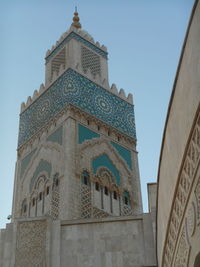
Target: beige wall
181, 116
116, 241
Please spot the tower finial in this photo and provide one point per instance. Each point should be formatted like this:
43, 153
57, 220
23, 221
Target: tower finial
76, 22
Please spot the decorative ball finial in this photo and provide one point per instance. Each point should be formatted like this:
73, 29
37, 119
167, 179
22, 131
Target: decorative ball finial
76, 22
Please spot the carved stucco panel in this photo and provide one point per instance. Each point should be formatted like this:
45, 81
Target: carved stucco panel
31, 244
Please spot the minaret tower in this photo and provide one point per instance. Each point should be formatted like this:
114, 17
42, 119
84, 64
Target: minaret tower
77, 153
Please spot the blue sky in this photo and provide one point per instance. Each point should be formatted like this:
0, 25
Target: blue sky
144, 40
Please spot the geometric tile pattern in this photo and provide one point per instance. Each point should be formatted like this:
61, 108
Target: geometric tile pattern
77, 37
25, 162
73, 88
56, 136
124, 153
85, 134
104, 161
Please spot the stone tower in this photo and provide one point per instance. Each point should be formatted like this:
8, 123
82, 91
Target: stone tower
77, 153
77, 198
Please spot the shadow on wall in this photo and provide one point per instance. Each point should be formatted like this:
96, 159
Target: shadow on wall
197, 261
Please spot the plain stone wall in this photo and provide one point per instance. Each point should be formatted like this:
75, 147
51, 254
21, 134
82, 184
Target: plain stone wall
110, 242
183, 106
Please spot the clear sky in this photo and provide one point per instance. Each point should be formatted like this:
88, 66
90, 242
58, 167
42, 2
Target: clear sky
144, 40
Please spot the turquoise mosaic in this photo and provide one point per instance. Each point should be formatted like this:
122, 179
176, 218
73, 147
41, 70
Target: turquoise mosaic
73, 88
25, 162
104, 161
124, 153
77, 37
42, 166
86, 134
56, 137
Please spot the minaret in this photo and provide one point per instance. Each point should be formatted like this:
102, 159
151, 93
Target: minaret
77, 153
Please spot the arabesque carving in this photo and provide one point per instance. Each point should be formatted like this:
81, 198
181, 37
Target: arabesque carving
31, 244
187, 176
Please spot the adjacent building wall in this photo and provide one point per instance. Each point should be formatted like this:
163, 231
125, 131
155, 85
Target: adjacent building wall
178, 190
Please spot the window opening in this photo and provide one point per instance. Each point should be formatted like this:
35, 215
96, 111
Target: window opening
126, 200
40, 196
24, 208
115, 195
47, 190
97, 186
106, 190
85, 178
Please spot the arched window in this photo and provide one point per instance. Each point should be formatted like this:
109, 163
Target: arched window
47, 190
40, 196
115, 195
33, 202
97, 187
126, 198
106, 190
85, 178
24, 207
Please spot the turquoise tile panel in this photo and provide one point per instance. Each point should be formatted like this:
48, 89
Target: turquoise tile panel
73, 88
77, 37
42, 166
25, 162
56, 137
86, 134
104, 161
124, 153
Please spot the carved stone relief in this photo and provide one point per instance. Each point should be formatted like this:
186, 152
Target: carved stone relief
183, 251
191, 220
31, 244
197, 195
187, 177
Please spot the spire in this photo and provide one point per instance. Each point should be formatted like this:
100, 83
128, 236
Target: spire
76, 22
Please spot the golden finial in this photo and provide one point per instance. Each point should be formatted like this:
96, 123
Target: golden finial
76, 22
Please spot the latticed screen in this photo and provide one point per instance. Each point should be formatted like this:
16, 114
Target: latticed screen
90, 60
58, 61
